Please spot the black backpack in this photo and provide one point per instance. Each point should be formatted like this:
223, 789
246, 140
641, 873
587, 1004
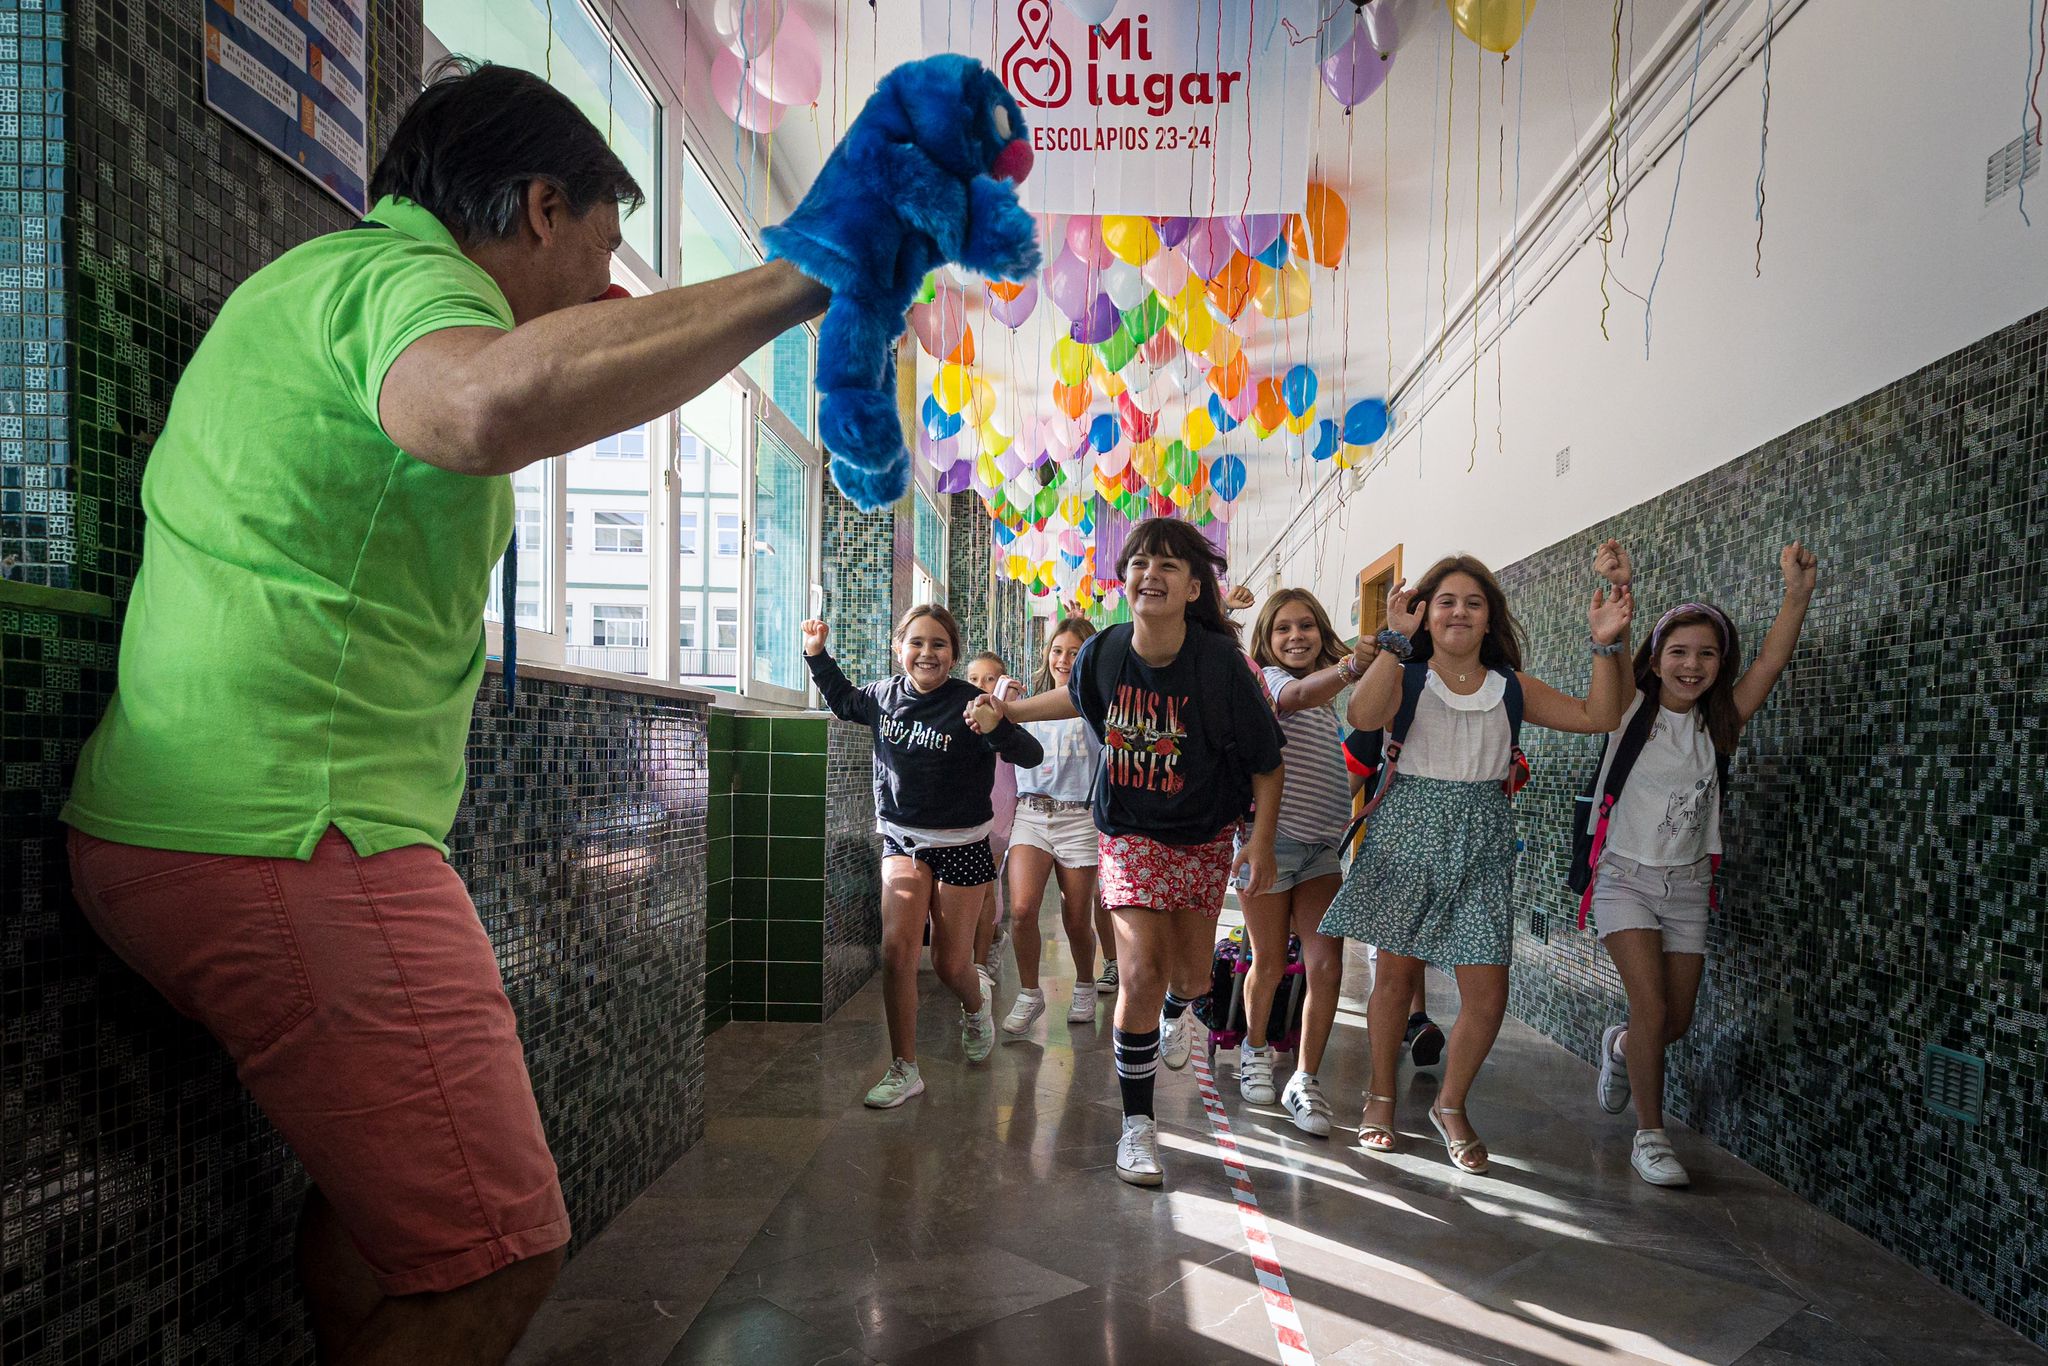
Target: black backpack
1592, 808
1212, 698
1374, 755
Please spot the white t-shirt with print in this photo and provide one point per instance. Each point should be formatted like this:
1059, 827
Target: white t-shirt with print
1669, 812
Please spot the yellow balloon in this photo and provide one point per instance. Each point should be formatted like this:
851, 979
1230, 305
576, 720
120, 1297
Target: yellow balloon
1495, 25
994, 442
952, 386
985, 469
1109, 487
1016, 566
1046, 573
1349, 457
1193, 298
981, 401
1282, 293
1112, 385
1145, 457
1130, 238
1194, 333
1070, 360
1180, 495
1198, 430
1073, 510
1298, 425
1223, 346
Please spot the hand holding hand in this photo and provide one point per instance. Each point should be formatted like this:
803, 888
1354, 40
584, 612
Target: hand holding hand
1801, 568
1610, 615
1611, 562
986, 712
815, 632
1362, 655
1404, 612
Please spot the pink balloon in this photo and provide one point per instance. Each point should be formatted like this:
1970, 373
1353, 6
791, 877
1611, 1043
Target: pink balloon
1011, 313
1070, 284
1247, 399
1084, 239
939, 324
1160, 349
1206, 247
1063, 432
742, 103
789, 72
1253, 233
1167, 273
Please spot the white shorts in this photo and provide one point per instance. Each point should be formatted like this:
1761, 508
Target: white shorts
1638, 896
1067, 833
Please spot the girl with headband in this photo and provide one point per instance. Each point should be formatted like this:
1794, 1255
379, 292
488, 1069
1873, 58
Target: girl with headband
1649, 839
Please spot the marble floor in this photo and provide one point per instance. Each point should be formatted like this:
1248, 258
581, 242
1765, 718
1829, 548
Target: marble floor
981, 1224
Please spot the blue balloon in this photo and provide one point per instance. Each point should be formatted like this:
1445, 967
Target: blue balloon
1002, 530
1275, 255
1365, 421
1328, 438
1103, 433
1226, 477
940, 423
1298, 389
1220, 415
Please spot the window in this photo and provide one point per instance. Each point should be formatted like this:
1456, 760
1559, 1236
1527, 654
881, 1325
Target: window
781, 551
686, 629
533, 500
569, 531
621, 533
728, 622
568, 623
728, 534
618, 627
686, 533
529, 523
928, 544
627, 445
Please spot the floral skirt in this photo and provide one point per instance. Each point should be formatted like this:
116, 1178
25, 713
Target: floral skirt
1434, 875
1141, 872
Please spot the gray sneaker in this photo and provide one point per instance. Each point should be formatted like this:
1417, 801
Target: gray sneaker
1613, 1072
978, 1031
899, 1084
1107, 981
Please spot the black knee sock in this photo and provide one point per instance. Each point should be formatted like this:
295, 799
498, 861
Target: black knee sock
1176, 1007
1137, 1059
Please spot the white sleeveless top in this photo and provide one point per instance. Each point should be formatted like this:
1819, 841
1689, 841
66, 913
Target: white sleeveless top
1459, 739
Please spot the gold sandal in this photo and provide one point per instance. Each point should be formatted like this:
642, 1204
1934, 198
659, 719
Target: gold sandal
1457, 1147
1367, 1130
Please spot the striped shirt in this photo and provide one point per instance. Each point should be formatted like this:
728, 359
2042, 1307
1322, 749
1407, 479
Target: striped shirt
1316, 805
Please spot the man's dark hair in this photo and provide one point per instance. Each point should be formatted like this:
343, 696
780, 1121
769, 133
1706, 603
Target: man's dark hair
479, 134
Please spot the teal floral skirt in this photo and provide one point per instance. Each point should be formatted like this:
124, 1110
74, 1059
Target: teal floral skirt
1434, 875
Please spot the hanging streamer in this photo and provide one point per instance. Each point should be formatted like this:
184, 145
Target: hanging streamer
1699, 42
1763, 148
1613, 179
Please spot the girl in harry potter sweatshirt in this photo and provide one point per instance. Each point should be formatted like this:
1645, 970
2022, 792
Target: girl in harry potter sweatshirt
933, 775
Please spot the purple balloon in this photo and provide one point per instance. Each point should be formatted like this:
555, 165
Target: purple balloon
1206, 247
956, 477
1172, 230
1011, 313
1357, 69
1099, 323
939, 453
1070, 284
1253, 233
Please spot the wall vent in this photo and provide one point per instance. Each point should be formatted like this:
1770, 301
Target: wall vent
1952, 1083
1539, 925
1564, 462
2018, 160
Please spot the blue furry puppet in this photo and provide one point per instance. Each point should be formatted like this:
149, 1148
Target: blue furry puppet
925, 175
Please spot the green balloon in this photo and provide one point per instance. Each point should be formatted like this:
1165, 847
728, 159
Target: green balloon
929, 290
1048, 503
1144, 321
1117, 351
1179, 464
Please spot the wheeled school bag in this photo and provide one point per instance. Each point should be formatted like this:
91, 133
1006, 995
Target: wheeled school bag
1374, 755
1222, 1010
1593, 808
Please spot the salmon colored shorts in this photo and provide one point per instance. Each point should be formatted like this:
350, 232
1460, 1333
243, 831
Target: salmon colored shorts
362, 1005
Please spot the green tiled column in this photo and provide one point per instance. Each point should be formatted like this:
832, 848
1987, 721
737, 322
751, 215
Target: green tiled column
775, 893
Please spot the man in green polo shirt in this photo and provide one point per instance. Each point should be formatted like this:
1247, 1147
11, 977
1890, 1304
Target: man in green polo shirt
258, 822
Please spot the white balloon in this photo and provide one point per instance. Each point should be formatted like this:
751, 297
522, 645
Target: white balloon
1092, 11
1137, 377
1183, 373
1124, 285
748, 27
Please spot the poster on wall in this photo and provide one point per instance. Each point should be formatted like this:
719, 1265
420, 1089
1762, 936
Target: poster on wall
1163, 107
290, 74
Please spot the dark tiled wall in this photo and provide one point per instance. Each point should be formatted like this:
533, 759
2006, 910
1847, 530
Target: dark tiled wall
853, 860
994, 613
1887, 866
860, 596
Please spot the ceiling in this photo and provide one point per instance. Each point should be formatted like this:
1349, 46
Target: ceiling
1452, 125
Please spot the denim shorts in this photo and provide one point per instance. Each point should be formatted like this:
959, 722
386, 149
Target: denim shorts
1641, 896
1295, 863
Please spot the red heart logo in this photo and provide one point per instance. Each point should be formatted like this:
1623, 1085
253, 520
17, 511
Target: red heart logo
1044, 81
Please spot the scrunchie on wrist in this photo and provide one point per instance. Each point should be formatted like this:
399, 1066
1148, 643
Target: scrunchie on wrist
1395, 643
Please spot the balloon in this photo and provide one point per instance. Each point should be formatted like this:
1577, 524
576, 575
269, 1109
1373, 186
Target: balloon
1070, 284
1012, 309
1253, 233
1064, 431
1283, 293
1301, 422
1129, 238
1146, 319
789, 72
1271, 409
1365, 421
981, 401
1084, 240
1197, 430
1353, 72
1069, 360
1172, 230
1275, 255
956, 477
1179, 463
742, 103
1116, 350
993, 441
939, 452
937, 421
1327, 440
1206, 247
1243, 404
1138, 385
1071, 399
1145, 459
1097, 323
988, 474
747, 27
1124, 285
1495, 25
1160, 349
1181, 372
1167, 272
1321, 232
927, 288
963, 354
1227, 379
1102, 432
950, 386
1226, 476
1137, 423
1231, 285
1092, 11
1220, 415
1298, 388
1196, 329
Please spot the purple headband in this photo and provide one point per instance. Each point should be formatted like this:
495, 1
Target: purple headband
1708, 610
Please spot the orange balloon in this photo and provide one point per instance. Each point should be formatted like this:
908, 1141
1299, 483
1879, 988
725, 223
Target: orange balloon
1271, 408
1228, 379
1231, 288
1322, 232
1073, 398
1224, 346
963, 354
1008, 292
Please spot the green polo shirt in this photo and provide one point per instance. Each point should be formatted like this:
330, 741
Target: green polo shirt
304, 639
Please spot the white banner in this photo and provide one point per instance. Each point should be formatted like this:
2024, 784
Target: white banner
1191, 107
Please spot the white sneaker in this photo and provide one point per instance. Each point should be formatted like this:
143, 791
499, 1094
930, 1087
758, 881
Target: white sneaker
1255, 1074
1029, 1005
1304, 1100
1082, 1011
1176, 1040
1654, 1160
997, 944
1137, 1152
978, 1031
988, 986
1613, 1090
897, 1085
1107, 981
